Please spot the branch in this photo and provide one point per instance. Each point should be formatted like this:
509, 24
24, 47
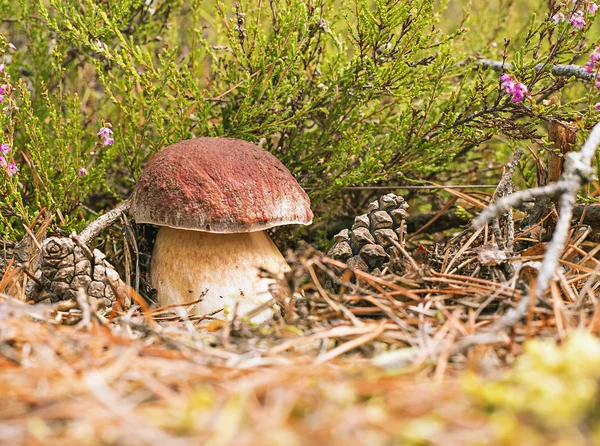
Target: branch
560, 70
515, 200
578, 171
102, 222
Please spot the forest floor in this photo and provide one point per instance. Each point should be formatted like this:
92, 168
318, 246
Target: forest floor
415, 358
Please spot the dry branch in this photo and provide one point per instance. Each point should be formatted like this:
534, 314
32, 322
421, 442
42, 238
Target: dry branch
577, 172
103, 222
560, 70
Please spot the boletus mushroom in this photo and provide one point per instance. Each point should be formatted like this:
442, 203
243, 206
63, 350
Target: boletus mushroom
213, 199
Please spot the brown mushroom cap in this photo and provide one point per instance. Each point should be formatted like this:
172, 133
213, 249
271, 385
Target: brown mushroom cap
218, 185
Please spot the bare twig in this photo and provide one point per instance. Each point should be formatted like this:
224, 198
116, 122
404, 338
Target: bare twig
561, 70
505, 188
577, 172
102, 222
517, 199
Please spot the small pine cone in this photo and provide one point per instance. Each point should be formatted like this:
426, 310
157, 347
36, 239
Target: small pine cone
63, 267
367, 246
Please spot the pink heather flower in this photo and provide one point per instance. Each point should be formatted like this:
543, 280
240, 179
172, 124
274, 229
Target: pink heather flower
1, 67
509, 86
12, 47
558, 17
3, 89
592, 8
597, 106
105, 132
519, 92
5, 148
82, 172
507, 83
3, 162
12, 168
590, 65
577, 20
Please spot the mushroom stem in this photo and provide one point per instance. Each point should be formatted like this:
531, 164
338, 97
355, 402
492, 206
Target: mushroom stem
186, 263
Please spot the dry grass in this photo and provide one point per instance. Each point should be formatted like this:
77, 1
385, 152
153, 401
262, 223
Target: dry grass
128, 384
373, 362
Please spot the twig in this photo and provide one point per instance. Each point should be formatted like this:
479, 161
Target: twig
350, 345
33, 237
517, 199
84, 306
102, 222
577, 172
560, 70
505, 188
413, 263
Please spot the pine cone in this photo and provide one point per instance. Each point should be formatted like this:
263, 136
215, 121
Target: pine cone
63, 268
367, 246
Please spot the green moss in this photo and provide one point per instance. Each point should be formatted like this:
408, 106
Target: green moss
551, 389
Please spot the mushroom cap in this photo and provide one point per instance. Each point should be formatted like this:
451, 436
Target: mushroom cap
219, 185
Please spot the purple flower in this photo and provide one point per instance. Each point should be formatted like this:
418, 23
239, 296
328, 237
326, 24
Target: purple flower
5, 148
590, 65
507, 83
592, 8
12, 168
105, 132
3, 162
82, 172
1, 67
597, 106
517, 90
3, 89
12, 47
577, 20
558, 17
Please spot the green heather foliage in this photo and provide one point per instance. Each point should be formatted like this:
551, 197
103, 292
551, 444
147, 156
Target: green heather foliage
342, 92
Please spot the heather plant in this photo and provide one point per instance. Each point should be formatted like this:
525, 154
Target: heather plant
343, 93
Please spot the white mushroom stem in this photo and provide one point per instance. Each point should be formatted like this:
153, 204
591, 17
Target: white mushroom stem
186, 263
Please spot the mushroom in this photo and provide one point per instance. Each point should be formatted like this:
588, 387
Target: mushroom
213, 199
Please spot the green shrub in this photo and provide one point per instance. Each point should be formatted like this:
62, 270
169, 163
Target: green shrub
344, 93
